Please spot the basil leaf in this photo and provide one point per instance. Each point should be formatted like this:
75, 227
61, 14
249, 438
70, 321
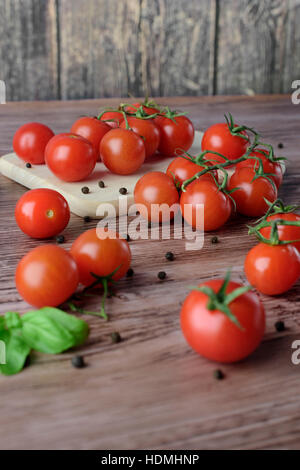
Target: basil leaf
2, 323
79, 328
16, 352
46, 335
13, 320
52, 331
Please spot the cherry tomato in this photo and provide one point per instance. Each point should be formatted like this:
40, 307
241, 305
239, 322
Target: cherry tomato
70, 157
100, 251
147, 130
46, 276
219, 139
114, 118
148, 109
217, 205
272, 269
175, 135
122, 151
251, 195
213, 335
285, 232
92, 129
182, 169
273, 168
30, 141
42, 213
156, 188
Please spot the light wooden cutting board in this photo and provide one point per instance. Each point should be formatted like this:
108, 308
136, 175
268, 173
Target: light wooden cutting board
40, 176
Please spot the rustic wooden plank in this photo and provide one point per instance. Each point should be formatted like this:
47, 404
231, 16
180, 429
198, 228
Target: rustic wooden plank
151, 390
99, 48
178, 46
254, 53
289, 65
28, 54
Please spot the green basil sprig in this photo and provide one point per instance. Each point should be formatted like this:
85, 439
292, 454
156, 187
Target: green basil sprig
48, 330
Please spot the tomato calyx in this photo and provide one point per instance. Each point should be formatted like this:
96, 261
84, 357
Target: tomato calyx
269, 154
260, 173
109, 110
139, 112
169, 114
105, 281
221, 300
274, 235
235, 130
278, 207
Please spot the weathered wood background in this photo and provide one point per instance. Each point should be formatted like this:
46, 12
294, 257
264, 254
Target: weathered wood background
69, 49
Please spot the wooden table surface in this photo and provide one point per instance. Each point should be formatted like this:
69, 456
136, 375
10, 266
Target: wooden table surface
151, 390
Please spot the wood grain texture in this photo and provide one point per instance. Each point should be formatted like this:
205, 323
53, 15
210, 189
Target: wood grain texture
59, 49
99, 48
28, 53
290, 68
256, 45
178, 47
151, 390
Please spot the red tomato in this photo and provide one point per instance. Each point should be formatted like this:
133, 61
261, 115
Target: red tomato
42, 213
175, 135
268, 166
147, 130
156, 188
250, 196
30, 141
217, 205
95, 254
213, 335
219, 139
114, 118
122, 151
92, 129
148, 109
46, 276
182, 169
272, 269
70, 157
285, 232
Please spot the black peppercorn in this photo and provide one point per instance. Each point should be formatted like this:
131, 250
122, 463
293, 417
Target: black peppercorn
215, 240
161, 275
87, 219
78, 362
28, 165
169, 256
60, 239
280, 145
116, 337
101, 184
130, 272
279, 326
123, 190
85, 190
218, 374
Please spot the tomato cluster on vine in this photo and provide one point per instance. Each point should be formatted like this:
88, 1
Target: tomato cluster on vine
121, 138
